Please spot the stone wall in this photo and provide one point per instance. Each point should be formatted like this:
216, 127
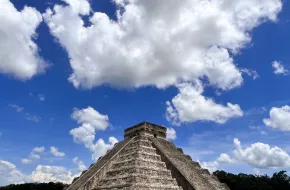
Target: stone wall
96, 172
187, 174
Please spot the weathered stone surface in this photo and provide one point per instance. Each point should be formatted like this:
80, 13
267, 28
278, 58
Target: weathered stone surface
79, 183
144, 161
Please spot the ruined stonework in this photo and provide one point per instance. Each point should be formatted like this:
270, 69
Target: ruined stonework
146, 160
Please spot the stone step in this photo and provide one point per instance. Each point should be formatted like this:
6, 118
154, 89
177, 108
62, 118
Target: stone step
140, 186
138, 178
138, 162
137, 143
143, 148
149, 171
140, 154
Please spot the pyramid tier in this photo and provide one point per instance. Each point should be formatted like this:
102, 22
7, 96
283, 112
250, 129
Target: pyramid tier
139, 162
140, 186
138, 167
137, 178
141, 154
150, 171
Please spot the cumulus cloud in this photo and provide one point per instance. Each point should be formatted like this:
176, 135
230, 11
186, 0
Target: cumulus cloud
190, 106
10, 174
91, 121
225, 158
39, 149
211, 166
159, 43
279, 68
258, 155
18, 52
54, 151
45, 174
101, 147
80, 164
34, 155
26, 161
16, 107
170, 134
279, 118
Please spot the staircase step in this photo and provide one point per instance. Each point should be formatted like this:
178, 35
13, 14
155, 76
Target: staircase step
143, 148
140, 154
141, 143
160, 186
149, 171
139, 162
140, 186
138, 178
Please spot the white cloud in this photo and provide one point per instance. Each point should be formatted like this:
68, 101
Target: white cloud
101, 147
34, 118
211, 166
158, 43
35, 155
279, 68
39, 149
190, 106
16, 107
54, 151
45, 174
224, 158
279, 118
258, 155
251, 73
170, 134
26, 161
80, 164
41, 97
264, 133
18, 52
9, 173
91, 121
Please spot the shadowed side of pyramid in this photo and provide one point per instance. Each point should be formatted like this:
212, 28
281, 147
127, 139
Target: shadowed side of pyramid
146, 160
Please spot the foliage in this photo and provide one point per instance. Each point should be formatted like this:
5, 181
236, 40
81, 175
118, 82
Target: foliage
279, 181
35, 186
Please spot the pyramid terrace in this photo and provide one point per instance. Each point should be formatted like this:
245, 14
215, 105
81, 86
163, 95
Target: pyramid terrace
146, 160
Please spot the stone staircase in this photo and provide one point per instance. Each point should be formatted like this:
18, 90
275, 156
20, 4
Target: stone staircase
138, 167
201, 177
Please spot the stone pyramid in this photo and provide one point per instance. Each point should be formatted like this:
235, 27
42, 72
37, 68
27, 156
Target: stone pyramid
146, 160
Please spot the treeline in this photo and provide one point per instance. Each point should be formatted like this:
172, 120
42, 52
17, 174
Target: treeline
35, 186
279, 181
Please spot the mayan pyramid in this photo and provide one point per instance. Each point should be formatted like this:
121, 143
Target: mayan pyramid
146, 160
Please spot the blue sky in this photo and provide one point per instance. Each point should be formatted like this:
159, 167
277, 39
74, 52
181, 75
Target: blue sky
132, 68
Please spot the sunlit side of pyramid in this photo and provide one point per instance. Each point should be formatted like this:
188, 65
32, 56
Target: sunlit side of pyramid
146, 160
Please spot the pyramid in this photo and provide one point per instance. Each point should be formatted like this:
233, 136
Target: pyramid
146, 160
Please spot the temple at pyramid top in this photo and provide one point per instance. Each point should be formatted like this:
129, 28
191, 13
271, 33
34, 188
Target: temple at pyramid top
145, 160
146, 129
